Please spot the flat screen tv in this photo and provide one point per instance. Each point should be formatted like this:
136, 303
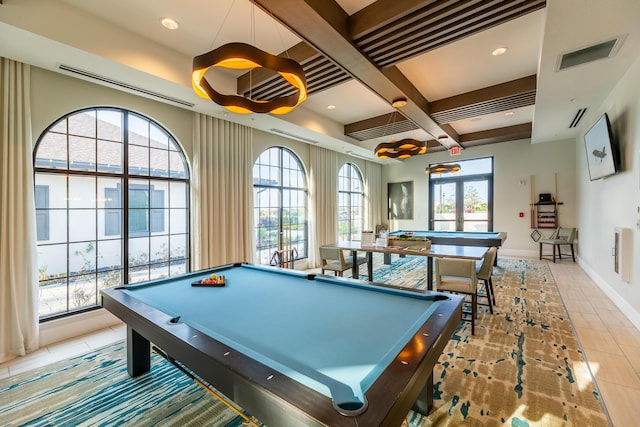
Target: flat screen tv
602, 149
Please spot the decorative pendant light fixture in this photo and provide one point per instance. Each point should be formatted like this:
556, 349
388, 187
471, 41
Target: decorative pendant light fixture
442, 168
402, 149
244, 56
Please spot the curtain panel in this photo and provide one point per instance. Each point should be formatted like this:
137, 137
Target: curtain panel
323, 201
18, 254
221, 192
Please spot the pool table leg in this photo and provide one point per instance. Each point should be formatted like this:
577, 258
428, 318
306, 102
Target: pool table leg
424, 402
138, 353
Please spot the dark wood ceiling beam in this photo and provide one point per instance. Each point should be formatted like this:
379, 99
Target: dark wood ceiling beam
326, 26
492, 136
379, 126
502, 97
435, 26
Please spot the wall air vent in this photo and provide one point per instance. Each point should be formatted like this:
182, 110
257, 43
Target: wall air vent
577, 118
103, 79
292, 136
591, 53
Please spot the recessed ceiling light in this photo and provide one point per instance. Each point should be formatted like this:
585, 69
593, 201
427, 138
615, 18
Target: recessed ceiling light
331, 107
499, 51
169, 23
509, 113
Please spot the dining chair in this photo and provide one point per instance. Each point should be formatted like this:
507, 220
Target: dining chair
562, 236
459, 276
333, 260
484, 272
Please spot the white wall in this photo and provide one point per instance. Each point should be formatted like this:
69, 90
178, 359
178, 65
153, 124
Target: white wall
514, 162
614, 201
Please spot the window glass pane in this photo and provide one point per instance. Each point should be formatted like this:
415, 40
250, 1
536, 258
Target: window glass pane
109, 157
138, 274
60, 126
82, 192
83, 124
138, 251
159, 162
159, 138
138, 131
177, 165
158, 271
159, 249
109, 254
178, 221
138, 160
52, 261
178, 267
110, 125
109, 194
52, 152
84, 225
178, 244
178, 195
83, 291
57, 189
82, 258
82, 154
109, 279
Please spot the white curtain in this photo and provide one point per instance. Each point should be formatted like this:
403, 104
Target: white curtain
373, 193
323, 204
18, 253
222, 192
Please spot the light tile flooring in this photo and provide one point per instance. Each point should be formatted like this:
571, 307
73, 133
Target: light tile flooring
611, 344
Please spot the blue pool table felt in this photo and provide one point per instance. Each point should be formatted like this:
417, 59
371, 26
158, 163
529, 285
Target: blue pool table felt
297, 326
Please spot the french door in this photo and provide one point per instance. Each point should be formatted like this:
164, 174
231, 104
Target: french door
462, 201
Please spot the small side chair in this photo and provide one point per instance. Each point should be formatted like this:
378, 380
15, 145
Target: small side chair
484, 272
562, 236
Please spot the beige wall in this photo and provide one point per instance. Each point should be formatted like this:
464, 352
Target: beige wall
613, 201
514, 164
54, 95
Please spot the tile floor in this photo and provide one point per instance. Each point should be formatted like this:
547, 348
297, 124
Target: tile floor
610, 341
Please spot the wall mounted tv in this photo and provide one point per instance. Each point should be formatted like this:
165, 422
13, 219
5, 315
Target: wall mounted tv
602, 149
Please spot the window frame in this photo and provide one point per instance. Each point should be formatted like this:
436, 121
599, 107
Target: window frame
349, 195
163, 152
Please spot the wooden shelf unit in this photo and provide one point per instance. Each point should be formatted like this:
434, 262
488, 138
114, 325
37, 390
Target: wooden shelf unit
545, 214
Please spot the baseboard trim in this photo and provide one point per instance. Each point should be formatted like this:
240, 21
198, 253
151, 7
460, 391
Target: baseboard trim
622, 304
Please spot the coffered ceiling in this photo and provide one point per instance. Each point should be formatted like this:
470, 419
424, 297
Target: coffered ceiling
358, 56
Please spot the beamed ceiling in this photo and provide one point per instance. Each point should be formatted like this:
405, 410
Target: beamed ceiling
358, 56
375, 39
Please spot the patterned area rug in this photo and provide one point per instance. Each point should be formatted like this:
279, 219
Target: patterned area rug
96, 390
522, 368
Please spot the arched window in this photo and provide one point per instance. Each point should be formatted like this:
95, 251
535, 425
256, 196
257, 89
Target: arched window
280, 205
112, 206
350, 203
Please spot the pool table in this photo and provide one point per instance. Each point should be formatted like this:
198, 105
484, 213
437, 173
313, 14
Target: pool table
294, 349
461, 238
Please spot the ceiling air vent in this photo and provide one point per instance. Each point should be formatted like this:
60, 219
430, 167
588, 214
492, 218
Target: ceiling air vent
577, 118
93, 76
588, 54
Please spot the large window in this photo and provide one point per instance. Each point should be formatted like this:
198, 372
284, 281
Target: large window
463, 200
350, 203
93, 234
280, 205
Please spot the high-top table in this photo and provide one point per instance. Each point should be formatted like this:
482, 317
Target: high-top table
435, 251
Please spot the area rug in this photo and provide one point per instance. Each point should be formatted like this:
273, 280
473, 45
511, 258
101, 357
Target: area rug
522, 368
96, 390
